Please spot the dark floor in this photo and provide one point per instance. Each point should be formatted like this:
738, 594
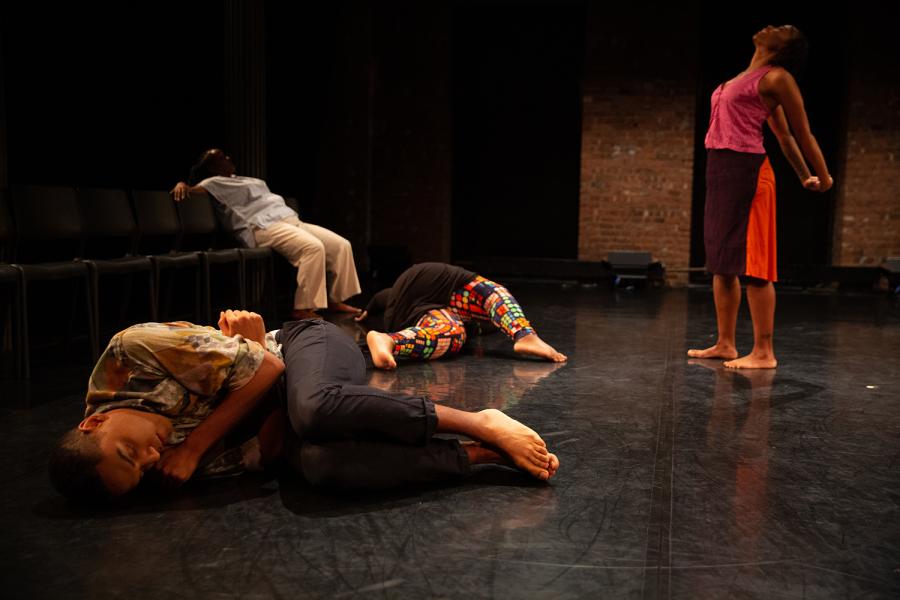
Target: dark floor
678, 479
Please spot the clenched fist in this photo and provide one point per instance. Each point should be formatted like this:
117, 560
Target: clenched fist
245, 323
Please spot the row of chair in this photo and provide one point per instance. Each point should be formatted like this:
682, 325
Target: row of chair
86, 235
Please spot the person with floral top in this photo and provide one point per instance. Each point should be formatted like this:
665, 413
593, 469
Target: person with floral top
163, 395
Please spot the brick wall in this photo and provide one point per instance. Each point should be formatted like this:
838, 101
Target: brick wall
867, 213
638, 135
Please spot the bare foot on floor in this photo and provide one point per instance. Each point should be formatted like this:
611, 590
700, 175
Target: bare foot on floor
718, 351
522, 445
532, 345
381, 345
480, 455
752, 361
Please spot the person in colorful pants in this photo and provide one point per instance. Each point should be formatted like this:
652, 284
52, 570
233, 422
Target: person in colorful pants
426, 309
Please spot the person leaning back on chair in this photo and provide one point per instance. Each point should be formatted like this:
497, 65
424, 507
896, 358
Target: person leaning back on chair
261, 218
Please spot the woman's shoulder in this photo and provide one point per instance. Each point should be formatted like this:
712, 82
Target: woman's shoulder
778, 81
776, 75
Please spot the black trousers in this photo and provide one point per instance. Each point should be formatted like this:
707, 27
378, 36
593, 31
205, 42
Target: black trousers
353, 435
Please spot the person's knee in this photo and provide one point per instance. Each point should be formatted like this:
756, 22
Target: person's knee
302, 249
459, 333
309, 413
755, 282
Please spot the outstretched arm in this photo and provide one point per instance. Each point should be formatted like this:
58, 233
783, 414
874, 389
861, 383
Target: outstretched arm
183, 190
790, 116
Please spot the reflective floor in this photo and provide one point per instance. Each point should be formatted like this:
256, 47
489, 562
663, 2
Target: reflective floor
678, 479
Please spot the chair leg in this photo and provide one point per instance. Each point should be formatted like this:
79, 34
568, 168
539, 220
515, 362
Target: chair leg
273, 303
205, 297
93, 300
23, 332
93, 318
242, 283
154, 299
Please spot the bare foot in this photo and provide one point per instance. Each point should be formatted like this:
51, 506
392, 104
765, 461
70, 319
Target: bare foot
304, 313
479, 455
720, 350
553, 467
381, 345
752, 361
341, 307
532, 345
522, 445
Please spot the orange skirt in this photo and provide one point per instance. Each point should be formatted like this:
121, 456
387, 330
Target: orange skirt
762, 255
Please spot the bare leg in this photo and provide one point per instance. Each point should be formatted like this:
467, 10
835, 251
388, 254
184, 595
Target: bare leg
532, 345
381, 345
761, 298
523, 446
727, 296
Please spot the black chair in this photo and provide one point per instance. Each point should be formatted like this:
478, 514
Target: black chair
12, 281
200, 233
257, 264
111, 236
48, 248
160, 236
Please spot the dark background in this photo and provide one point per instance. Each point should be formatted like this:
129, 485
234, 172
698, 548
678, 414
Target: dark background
128, 96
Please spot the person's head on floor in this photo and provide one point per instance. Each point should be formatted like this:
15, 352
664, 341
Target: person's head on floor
106, 456
788, 45
212, 163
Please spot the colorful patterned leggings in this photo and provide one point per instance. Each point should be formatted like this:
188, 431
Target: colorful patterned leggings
442, 331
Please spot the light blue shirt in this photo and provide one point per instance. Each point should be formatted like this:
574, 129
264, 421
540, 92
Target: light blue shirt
248, 204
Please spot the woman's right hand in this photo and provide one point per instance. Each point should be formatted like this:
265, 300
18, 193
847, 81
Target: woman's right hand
180, 191
814, 184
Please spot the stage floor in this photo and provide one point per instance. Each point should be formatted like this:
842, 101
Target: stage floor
678, 478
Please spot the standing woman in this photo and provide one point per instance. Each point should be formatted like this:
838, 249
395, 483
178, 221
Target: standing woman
739, 218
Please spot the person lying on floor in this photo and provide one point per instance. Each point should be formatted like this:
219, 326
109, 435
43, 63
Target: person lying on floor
427, 306
163, 395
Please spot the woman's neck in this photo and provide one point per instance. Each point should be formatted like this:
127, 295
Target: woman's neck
761, 58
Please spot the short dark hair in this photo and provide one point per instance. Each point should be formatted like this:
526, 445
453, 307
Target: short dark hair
792, 56
200, 170
73, 468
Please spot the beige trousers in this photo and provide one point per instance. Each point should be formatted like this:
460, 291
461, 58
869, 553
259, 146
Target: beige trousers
324, 261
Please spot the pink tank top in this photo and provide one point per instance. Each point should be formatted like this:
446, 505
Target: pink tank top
735, 122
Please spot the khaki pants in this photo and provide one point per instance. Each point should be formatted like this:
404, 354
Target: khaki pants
315, 251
